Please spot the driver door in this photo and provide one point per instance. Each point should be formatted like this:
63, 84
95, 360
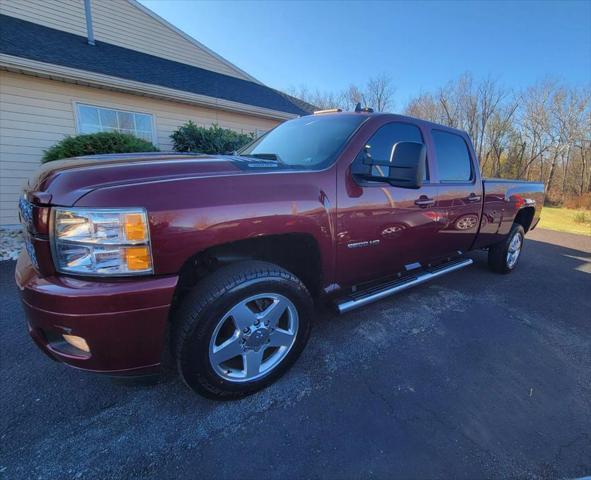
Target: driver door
383, 229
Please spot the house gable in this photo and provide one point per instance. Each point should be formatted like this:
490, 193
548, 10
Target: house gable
124, 23
33, 48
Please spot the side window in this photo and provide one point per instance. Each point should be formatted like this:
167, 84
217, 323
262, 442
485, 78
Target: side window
379, 146
453, 157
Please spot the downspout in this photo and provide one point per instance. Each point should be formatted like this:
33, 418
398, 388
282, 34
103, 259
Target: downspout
89, 31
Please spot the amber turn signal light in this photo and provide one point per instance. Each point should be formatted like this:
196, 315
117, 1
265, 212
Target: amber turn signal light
138, 258
134, 226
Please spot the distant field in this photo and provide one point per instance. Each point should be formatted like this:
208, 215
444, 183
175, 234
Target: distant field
563, 220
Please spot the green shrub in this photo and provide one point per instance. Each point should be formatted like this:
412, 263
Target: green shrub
191, 138
581, 217
95, 143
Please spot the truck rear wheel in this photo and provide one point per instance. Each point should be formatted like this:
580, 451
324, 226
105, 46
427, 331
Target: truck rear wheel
503, 256
240, 329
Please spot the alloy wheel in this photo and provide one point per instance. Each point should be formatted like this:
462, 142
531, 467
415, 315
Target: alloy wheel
514, 249
253, 337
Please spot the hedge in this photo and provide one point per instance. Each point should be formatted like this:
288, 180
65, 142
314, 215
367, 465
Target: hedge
212, 140
96, 143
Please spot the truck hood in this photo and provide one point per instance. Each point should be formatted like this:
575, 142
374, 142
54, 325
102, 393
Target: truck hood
64, 182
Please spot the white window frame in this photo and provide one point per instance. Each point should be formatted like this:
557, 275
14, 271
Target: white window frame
77, 106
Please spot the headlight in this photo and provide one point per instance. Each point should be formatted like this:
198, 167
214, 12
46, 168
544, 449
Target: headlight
101, 241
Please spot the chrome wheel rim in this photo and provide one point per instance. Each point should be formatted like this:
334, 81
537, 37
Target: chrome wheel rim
467, 222
253, 337
514, 250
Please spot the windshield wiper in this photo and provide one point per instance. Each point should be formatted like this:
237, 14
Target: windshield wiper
271, 157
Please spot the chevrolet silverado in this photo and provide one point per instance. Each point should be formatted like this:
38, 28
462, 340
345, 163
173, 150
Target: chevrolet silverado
214, 263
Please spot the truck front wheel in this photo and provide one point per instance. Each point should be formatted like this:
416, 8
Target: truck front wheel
240, 329
503, 256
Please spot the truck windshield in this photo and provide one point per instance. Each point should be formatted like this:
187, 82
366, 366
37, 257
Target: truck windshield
307, 142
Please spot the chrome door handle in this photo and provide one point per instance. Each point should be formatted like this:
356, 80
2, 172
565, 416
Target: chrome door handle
423, 201
473, 198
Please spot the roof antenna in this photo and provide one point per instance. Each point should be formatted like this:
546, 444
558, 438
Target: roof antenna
359, 108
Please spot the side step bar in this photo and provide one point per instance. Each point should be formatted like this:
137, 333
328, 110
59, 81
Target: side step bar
363, 297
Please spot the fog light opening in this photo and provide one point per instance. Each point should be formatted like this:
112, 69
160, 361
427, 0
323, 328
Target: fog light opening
77, 342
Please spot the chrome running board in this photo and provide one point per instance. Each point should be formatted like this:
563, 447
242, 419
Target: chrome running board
373, 294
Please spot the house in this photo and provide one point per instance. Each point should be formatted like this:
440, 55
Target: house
79, 66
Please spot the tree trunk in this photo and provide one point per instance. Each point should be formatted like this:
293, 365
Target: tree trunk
583, 171
551, 174
565, 172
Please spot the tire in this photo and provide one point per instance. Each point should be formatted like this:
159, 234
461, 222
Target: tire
211, 325
500, 259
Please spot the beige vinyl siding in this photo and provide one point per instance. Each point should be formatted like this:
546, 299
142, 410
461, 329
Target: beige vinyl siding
121, 23
35, 113
66, 15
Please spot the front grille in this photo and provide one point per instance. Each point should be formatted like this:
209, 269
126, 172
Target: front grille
30, 250
26, 213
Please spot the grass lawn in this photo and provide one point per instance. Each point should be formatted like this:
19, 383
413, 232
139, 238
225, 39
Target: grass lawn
563, 220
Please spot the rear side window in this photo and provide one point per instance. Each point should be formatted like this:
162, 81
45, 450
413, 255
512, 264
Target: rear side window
380, 145
453, 157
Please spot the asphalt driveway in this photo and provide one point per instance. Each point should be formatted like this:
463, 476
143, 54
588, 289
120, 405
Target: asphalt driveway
474, 375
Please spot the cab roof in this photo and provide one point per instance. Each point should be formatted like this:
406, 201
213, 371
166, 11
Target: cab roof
394, 116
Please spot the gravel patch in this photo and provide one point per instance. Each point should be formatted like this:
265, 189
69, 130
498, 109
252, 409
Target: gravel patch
11, 242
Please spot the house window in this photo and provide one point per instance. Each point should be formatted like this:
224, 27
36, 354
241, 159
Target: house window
93, 119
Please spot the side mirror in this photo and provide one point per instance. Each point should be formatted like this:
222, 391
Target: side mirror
406, 167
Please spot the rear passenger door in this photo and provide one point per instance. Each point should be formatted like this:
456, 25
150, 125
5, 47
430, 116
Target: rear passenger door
460, 190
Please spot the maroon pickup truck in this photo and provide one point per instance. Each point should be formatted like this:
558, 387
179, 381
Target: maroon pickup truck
214, 263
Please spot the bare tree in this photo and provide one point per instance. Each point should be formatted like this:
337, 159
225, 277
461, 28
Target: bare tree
351, 97
541, 133
320, 99
498, 136
534, 127
379, 92
424, 106
571, 109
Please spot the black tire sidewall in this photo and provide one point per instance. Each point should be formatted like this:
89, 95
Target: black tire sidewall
193, 352
516, 230
497, 255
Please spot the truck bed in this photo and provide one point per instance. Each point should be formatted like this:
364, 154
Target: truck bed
503, 200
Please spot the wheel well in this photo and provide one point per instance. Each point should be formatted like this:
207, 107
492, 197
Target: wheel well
525, 217
297, 253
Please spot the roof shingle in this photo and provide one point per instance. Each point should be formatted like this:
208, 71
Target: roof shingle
36, 42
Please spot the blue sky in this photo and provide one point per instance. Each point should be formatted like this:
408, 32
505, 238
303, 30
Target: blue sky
421, 45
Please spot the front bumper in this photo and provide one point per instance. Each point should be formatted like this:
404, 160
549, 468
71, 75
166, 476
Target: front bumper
123, 321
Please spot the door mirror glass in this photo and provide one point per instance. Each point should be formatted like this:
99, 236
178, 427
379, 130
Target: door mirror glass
405, 168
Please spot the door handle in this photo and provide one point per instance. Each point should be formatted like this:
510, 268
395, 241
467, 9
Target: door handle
424, 201
473, 198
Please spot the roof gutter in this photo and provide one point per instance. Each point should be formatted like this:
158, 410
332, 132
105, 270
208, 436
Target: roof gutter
108, 82
89, 29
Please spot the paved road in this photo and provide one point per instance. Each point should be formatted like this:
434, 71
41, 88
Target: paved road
476, 375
